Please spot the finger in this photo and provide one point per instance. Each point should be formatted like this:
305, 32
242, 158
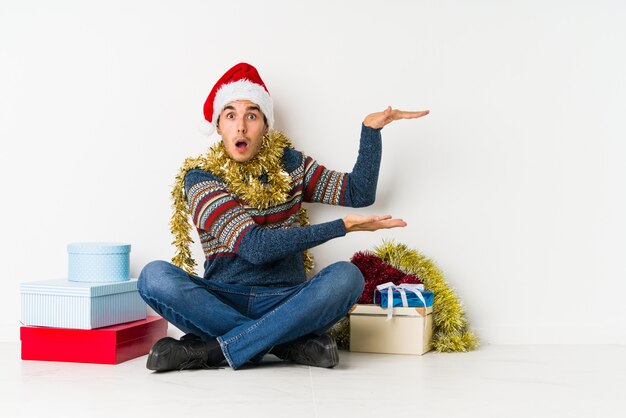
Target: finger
394, 223
402, 114
367, 220
388, 224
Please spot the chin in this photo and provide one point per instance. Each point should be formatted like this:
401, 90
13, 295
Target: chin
241, 158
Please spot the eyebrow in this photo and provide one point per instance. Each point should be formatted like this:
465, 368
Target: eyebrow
249, 108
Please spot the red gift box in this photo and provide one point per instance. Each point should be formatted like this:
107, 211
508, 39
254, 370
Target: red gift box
107, 345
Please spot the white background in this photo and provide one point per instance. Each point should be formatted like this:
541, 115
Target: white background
514, 183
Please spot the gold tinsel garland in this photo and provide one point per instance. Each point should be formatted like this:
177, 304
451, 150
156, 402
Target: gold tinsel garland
242, 179
451, 331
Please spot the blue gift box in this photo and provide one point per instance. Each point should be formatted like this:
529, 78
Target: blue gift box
412, 299
98, 262
62, 303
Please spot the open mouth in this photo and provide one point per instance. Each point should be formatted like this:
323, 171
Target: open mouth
241, 145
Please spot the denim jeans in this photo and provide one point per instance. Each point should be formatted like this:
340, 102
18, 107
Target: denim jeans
249, 320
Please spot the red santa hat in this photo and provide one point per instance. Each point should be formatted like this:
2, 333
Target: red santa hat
242, 82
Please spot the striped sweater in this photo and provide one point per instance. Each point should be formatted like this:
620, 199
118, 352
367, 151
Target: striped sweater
249, 246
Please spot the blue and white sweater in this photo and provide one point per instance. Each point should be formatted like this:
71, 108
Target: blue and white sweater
249, 246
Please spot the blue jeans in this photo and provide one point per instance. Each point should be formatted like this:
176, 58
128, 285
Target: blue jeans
249, 320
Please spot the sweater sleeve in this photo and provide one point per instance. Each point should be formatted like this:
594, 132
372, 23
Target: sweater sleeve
214, 210
354, 189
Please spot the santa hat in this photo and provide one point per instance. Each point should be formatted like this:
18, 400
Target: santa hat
242, 82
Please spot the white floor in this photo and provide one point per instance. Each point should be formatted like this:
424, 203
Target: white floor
495, 381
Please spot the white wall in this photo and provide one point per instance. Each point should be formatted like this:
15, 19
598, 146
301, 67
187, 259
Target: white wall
514, 184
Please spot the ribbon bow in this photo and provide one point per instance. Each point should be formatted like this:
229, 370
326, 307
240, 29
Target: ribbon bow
403, 288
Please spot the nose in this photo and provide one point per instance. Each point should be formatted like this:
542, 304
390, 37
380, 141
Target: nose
241, 126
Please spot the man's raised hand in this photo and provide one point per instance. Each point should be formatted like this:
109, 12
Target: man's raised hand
356, 222
379, 119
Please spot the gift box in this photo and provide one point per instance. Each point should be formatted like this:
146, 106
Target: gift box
65, 304
108, 345
413, 300
98, 262
407, 331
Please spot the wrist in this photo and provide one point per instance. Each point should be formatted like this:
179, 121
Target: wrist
369, 122
347, 224
370, 128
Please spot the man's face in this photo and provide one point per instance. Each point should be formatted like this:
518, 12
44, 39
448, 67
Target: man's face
242, 126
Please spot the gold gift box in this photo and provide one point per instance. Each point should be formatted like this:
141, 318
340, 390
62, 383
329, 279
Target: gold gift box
409, 330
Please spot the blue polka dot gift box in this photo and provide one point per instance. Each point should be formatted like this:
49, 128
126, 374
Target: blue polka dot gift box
98, 262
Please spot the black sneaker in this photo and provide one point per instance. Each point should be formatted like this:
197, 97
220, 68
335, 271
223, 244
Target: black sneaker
317, 351
189, 353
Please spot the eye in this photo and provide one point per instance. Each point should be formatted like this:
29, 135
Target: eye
230, 116
252, 116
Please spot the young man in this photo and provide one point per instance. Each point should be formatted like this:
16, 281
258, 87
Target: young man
245, 199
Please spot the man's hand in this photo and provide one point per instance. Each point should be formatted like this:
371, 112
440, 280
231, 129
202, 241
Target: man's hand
356, 222
379, 119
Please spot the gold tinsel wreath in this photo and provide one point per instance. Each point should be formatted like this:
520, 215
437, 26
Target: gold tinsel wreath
243, 180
